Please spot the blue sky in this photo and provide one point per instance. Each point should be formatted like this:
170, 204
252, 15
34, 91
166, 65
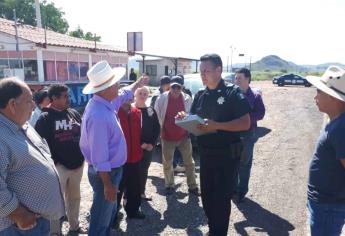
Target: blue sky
302, 31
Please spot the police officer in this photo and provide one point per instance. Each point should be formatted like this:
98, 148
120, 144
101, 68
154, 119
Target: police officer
226, 113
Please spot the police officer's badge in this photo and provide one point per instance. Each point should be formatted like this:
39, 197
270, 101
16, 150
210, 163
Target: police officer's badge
220, 100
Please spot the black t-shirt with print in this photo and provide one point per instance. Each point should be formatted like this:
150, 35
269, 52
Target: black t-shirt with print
61, 129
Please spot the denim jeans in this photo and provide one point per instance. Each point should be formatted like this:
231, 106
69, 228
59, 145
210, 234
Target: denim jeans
42, 228
326, 219
102, 212
249, 139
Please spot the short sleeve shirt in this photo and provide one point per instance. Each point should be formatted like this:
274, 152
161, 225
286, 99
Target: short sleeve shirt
225, 103
326, 173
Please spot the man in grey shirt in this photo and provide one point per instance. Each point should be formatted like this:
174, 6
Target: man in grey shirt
30, 193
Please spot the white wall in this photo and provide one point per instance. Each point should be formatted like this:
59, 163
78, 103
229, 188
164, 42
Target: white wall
184, 67
8, 42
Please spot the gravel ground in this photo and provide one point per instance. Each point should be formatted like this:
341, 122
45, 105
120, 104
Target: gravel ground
276, 202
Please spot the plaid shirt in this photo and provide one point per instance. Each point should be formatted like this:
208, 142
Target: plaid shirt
27, 174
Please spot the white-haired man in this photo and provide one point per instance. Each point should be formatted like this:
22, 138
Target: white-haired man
102, 141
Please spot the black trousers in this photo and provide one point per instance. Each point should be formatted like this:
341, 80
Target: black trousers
217, 182
144, 169
130, 188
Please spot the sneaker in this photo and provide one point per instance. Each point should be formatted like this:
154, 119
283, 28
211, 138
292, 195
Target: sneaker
169, 190
179, 168
194, 191
138, 215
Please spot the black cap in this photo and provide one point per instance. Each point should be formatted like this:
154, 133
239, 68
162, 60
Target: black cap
181, 75
176, 80
165, 80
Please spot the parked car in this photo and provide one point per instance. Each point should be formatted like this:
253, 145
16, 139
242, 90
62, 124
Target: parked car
290, 79
229, 77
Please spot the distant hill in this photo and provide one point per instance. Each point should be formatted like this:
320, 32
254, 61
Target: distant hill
321, 67
275, 63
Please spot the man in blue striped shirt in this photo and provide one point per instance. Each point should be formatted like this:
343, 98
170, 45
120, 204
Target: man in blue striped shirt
30, 193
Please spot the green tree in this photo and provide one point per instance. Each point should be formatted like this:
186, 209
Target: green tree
79, 33
25, 10
52, 17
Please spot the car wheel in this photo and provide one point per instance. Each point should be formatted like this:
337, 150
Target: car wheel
280, 84
307, 84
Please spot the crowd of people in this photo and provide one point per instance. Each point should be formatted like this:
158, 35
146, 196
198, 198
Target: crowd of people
44, 147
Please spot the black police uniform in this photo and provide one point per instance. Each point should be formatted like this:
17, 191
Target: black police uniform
219, 152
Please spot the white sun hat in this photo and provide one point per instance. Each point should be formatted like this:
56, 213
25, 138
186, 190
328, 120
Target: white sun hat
101, 76
331, 82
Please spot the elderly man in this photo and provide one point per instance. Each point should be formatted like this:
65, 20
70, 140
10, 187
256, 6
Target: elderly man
326, 187
30, 193
102, 141
167, 106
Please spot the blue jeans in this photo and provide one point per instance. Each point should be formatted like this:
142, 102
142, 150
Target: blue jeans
102, 212
249, 139
326, 219
42, 228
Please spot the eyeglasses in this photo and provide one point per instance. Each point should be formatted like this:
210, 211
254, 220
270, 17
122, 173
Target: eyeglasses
176, 87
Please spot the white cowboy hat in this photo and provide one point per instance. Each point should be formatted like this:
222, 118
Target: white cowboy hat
102, 76
331, 82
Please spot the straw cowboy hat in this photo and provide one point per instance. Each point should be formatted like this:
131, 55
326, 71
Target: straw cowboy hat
331, 82
102, 76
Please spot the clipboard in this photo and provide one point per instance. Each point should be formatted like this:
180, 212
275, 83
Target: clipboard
190, 123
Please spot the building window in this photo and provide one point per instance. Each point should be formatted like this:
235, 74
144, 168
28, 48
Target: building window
49, 71
151, 70
73, 70
61, 71
16, 64
3, 68
16, 68
84, 67
30, 70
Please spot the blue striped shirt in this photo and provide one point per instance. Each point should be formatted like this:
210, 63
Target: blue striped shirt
27, 174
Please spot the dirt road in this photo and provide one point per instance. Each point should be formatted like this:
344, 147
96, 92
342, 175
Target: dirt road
276, 203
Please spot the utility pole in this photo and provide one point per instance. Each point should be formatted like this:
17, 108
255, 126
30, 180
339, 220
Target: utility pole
232, 48
16, 30
38, 14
